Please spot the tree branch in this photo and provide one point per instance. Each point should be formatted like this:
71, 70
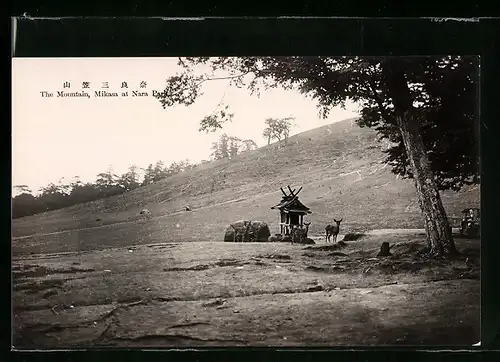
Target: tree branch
380, 104
228, 77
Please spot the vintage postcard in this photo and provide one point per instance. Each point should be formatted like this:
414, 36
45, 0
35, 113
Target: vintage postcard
245, 201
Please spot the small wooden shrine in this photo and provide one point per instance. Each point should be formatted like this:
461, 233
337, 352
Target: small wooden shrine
291, 210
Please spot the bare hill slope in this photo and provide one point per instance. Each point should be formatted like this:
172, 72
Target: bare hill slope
339, 167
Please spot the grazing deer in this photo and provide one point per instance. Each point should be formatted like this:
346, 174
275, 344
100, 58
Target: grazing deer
308, 240
307, 228
247, 225
299, 234
333, 230
235, 240
238, 236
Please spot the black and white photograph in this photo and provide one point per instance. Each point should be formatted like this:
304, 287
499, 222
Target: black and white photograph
245, 201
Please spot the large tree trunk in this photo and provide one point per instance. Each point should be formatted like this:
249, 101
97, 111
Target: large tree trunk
439, 237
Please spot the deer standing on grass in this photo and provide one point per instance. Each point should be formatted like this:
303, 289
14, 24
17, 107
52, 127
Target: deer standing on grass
306, 238
299, 234
333, 230
307, 228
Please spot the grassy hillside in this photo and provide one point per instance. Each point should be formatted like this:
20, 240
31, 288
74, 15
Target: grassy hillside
339, 167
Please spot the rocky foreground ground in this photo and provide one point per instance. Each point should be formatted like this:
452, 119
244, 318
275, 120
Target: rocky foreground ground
262, 294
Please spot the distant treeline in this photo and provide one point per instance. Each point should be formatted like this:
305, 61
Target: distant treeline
107, 184
57, 196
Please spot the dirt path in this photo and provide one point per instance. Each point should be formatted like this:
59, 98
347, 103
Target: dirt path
227, 294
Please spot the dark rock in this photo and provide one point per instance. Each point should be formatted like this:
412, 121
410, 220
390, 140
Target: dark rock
315, 268
258, 231
316, 288
308, 241
215, 303
384, 249
352, 236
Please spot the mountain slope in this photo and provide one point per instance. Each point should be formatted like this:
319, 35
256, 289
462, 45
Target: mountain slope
339, 167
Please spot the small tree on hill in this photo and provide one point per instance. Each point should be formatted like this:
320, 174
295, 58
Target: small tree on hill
129, 180
108, 183
63, 187
25, 204
267, 134
235, 146
277, 128
23, 189
228, 147
83, 192
160, 171
107, 179
248, 145
180, 166
148, 175
220, 148
52, 197
154, 173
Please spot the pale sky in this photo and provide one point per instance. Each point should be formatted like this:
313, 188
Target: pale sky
64, 137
